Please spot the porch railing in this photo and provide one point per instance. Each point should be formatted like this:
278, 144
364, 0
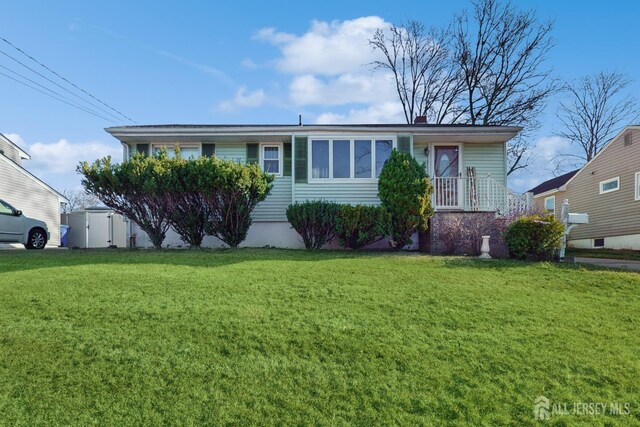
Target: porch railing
476, 194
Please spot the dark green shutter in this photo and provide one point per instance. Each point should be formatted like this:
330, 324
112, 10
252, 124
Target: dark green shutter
209, 150
287, 159
142, 148
404, 144
252, 153
301, 159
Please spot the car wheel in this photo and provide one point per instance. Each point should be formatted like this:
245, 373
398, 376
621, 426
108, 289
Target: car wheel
37, 239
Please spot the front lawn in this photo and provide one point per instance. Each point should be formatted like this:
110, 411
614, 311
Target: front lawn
287, 337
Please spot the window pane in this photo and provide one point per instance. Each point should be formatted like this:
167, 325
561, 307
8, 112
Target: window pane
383, 151
272, 166
550, 204
362, 161
189, 153
170, 153
271, 153
4, 209
341, 159
320, 159
611, 185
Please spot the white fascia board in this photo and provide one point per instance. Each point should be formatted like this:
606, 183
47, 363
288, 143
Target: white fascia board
486, 133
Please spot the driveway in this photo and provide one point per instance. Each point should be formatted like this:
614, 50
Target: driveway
20, 247
611, 263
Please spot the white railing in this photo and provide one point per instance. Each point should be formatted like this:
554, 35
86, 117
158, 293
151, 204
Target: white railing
476, 194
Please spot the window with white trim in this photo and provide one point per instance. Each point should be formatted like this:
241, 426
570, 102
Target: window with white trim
342, 158
187, 152
271, 158
610, 185
637, 194
550, 203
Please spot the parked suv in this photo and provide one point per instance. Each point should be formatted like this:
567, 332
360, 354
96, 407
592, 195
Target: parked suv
17, 228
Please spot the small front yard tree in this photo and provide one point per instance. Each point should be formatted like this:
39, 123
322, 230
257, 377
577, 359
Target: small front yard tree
136, 188
405, 191
232, 191
189, 212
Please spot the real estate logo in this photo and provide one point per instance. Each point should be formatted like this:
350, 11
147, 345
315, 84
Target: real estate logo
541, 408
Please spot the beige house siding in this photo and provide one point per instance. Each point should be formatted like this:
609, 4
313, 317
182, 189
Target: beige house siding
559, 197
10, 151
611, 214
25, 193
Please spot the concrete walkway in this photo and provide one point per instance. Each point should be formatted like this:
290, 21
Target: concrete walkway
611, 263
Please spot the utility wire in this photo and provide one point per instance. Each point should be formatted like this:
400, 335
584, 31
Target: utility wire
55, 97
70, 101
66, 80
56, 83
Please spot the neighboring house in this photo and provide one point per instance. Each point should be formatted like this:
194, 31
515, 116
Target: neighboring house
550, 194
26, 192
468, 165
608, 189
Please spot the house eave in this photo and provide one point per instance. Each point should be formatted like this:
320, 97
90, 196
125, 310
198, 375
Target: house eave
433, 133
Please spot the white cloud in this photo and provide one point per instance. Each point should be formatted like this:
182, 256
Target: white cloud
365, 88
249, 63
388, 112
330, 66
271, 35
62, 157
328, 48
243, 98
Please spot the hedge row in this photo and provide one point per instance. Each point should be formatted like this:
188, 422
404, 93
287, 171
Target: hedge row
319, 222
206, 196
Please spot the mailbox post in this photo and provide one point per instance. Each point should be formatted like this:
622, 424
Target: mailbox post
569, 220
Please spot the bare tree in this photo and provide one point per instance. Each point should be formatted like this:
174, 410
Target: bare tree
79, 199
488, 68
597, 107
426, 82
502, 53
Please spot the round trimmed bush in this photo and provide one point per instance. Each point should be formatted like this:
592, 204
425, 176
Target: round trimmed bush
534, 237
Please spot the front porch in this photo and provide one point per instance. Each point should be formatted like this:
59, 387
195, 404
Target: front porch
477, 194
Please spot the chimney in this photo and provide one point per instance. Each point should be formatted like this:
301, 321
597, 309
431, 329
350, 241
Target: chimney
420, 120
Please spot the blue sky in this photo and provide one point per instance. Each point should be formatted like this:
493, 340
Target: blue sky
252, 62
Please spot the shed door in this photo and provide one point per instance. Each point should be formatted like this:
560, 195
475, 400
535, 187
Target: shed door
98, 230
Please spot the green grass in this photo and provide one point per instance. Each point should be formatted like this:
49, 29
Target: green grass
605, 253
287, 337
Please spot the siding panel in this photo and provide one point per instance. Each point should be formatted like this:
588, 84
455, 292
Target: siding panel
274, 207
27, 195
487, 159
611, 214
354, 193
10, 151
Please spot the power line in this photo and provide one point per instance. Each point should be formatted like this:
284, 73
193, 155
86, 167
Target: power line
70, 101
55, 83
66, 80
55, 97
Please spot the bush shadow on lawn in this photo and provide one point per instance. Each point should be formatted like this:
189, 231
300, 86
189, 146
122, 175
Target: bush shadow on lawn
213, 258
209, 258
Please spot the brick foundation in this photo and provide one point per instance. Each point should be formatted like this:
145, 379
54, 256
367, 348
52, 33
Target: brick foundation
438, 239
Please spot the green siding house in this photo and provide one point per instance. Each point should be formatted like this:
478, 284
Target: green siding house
341, 163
